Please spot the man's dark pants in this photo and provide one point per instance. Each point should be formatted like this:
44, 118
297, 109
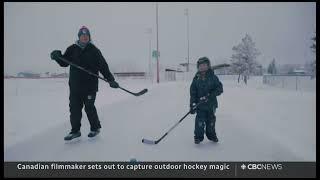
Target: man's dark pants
76, 102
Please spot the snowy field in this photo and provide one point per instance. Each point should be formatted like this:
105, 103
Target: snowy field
256, 122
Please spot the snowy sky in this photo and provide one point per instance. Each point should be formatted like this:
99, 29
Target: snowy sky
32, 30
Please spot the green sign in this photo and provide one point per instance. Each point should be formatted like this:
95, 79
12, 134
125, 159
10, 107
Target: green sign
154, 54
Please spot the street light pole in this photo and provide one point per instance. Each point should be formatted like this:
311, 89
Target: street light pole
157, 44
187, 14
149, 32
150, 68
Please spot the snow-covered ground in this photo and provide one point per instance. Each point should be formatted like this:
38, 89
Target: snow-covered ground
256, 122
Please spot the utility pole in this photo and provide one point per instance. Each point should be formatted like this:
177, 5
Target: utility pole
150, 67
149, 32
187, 14
157, 43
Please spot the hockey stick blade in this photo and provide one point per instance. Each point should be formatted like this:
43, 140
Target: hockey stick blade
136, 94
146, 141
142, 92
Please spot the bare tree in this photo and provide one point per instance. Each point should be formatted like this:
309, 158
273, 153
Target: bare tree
314, 49
244, 58
272, 69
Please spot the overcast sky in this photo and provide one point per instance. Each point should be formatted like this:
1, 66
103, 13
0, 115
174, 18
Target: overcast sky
32, 30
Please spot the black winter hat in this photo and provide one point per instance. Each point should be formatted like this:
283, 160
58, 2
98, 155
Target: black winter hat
84, 30
203, 60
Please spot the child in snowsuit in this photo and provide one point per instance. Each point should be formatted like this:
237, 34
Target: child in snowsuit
204, 88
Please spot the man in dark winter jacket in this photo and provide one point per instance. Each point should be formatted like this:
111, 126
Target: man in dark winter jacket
83, 86
204, 88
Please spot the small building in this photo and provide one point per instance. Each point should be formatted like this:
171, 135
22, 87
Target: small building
130, 74
28, 75
298, 72
170, 74
62, 75
8, 76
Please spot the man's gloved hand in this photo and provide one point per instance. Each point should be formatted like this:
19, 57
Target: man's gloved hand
204, 99
192, 109
55, 54
114, 84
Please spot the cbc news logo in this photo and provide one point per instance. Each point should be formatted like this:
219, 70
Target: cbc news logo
261, 166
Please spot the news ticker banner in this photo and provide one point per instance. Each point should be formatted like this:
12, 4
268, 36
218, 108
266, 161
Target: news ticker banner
160, 169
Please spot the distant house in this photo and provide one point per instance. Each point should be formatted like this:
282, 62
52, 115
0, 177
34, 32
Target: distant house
170, 74
130, 74
298, 72
288, 68
62, 75
47, 74
8, 76
192, 66
28, 75
172, 70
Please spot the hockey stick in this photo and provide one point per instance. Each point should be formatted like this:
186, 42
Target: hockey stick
147, 141
89, 72
135, 94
